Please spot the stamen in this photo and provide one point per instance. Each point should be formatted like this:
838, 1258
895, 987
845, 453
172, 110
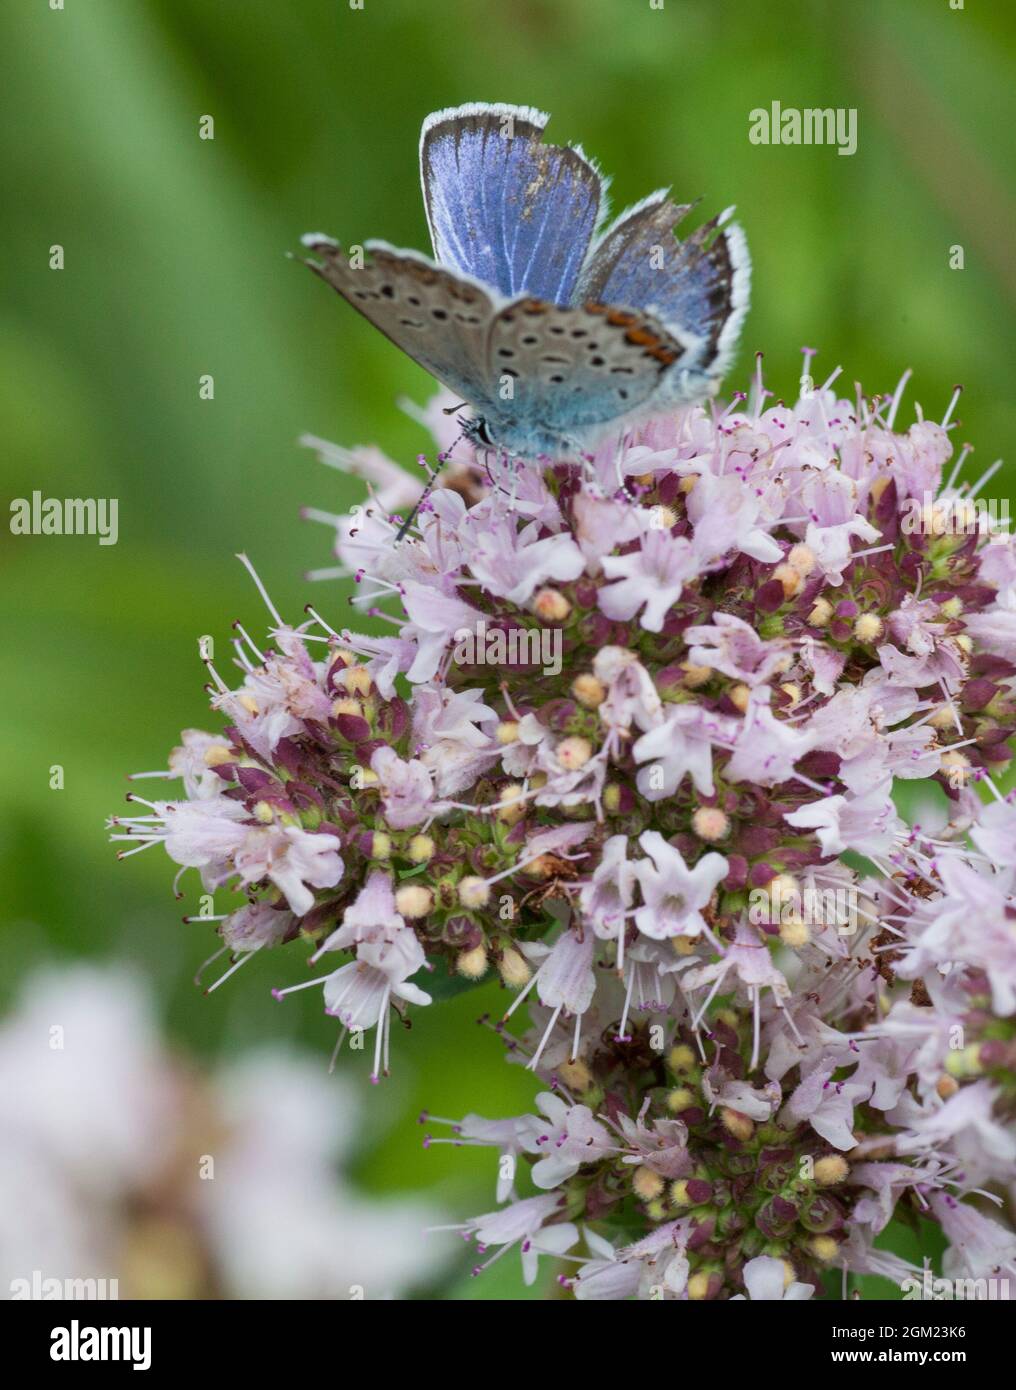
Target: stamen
260, 588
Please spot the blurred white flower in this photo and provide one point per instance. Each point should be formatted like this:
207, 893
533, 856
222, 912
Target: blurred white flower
121, 1163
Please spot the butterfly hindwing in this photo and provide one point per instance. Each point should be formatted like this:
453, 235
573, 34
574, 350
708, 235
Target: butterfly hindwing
571, 368
502, 206
698, 287
435, 316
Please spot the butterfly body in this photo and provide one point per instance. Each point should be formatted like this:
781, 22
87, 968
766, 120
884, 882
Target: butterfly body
553, 333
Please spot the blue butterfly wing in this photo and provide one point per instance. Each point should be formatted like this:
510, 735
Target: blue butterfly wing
505, 208
697, 287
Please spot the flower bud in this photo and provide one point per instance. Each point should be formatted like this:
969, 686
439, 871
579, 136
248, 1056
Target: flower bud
694, 676
473, 891
551, 606
736, 1124
831, 1169
420, 849
868, 627
824, 1248
414, 900
472, 964
821, 612
347, 705
356, 680
515, 970
575, 1075
710, 824
944, 717
646, 1183
588, 690
794, 931
511, 806
790, 579
801, 558
573, 753
956, 766
700, 1285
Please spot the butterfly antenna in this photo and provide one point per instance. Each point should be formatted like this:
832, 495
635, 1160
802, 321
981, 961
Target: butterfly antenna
442, 459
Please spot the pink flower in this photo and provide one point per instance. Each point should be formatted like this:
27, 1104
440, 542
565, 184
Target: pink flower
372, 916
434, 618
358, 994
204, 834
293, 859
513, 564
731, 646
681, 746
765, 1278
831, 545
406, 788
651, 578
767, 748
727, 516
524, 1223
978, 1246
608, 895
867, 824
567, 1138
672, 894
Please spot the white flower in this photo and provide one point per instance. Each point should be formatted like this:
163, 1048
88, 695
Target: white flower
524, 1223
649, 578
294, 859
681, 745
405, 787
831, 544
868, 824
673, 895
189, 761
765, 1278
567, 1138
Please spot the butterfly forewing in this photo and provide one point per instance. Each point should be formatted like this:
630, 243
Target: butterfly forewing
502, 206
569, 368
439, 319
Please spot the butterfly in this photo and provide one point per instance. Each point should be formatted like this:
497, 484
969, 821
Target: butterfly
552, 327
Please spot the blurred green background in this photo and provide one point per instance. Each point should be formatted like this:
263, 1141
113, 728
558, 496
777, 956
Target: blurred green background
175, 267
